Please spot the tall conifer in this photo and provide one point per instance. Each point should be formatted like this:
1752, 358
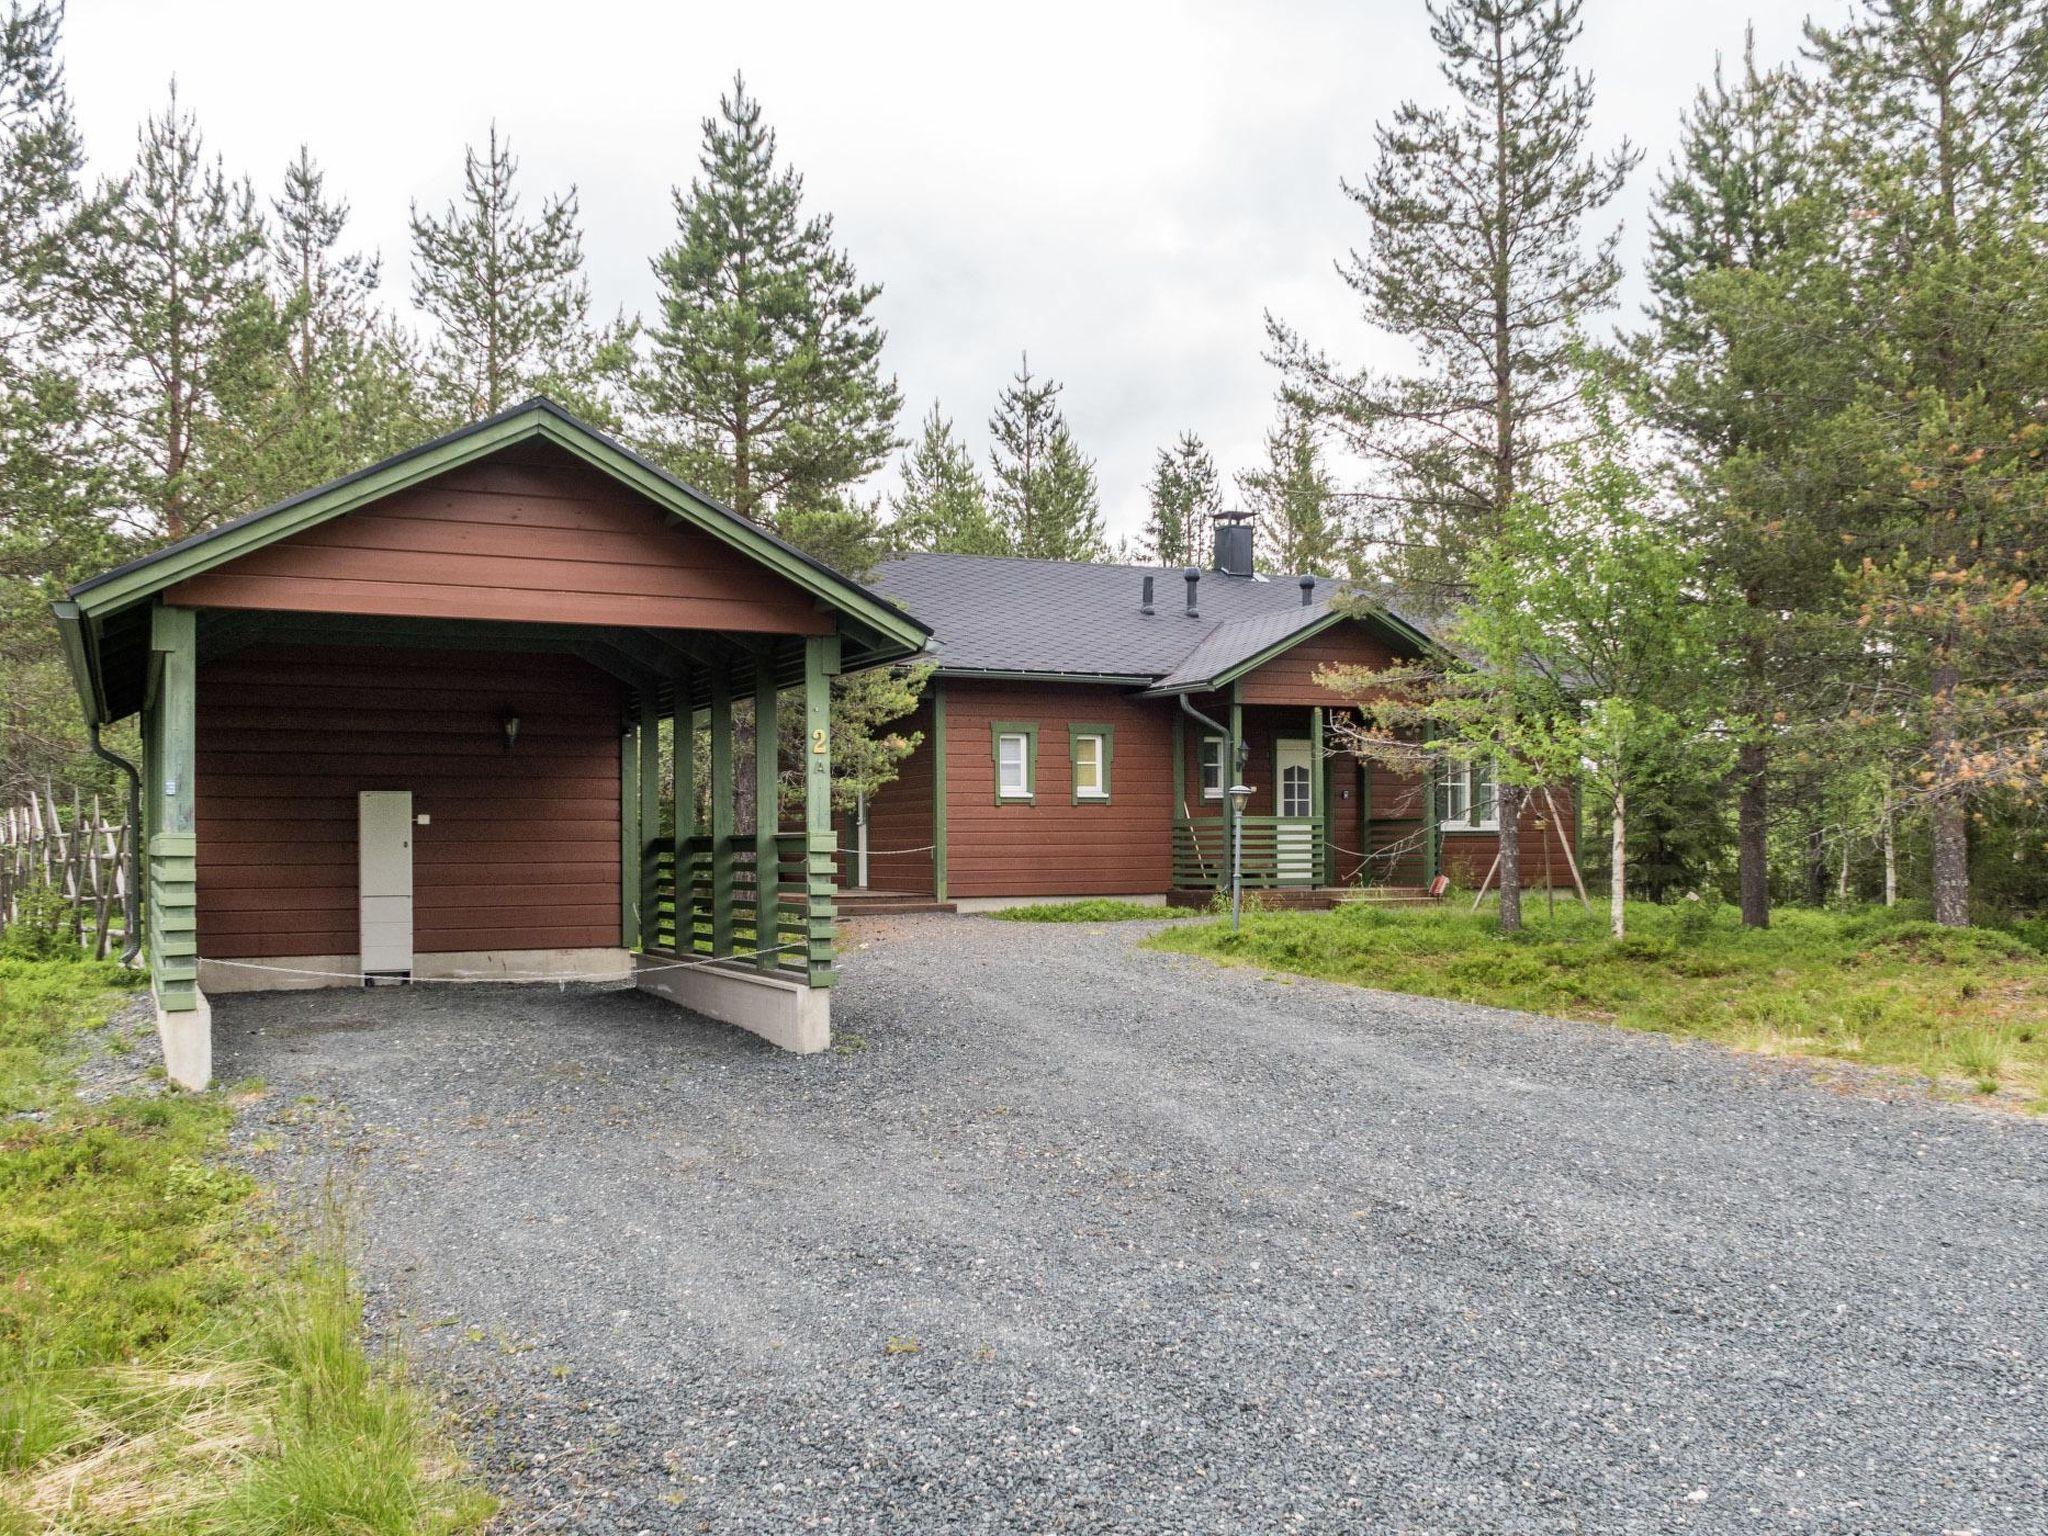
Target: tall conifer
766, 384
1482, 261
1184, 498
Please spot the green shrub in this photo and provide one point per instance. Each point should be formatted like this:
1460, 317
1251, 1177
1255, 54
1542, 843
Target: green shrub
1095, 910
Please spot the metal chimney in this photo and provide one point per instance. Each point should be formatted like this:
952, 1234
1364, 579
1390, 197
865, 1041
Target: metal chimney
1233, 543
1193, 577
1145, 602
1308, 591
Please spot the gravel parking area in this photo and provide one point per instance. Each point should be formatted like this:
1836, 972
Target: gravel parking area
1072, 1236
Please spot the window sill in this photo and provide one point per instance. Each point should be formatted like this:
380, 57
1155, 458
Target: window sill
1085, 797
1015, 799
1464, 829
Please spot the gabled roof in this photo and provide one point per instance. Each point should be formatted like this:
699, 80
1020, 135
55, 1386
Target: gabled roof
1002, 616
874, 629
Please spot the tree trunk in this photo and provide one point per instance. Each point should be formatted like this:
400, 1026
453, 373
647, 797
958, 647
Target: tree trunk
1617, 879
1891, 852
1816, 864
1842, 881
1509, 799
1753, 833
1951, 829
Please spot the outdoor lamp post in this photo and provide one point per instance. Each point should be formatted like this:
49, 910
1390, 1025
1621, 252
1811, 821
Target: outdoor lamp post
1239, 794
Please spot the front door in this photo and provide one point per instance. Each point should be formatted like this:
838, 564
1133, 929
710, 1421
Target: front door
1294, 801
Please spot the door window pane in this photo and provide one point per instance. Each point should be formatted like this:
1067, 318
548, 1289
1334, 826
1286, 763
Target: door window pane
1294, 790
1212, 767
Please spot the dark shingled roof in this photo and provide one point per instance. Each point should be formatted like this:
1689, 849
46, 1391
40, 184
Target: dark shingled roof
992, 613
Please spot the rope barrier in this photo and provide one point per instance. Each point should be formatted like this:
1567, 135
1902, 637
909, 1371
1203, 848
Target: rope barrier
477, 978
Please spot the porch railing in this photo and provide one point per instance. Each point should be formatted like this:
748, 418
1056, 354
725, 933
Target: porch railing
728, 921
1278, 850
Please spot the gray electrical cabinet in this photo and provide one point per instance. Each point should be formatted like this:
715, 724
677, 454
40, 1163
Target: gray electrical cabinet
384, 875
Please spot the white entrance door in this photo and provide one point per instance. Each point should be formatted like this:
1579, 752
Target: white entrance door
384, 880
1294, 801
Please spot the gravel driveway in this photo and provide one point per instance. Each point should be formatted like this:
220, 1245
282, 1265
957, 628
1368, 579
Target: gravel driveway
1071, 1236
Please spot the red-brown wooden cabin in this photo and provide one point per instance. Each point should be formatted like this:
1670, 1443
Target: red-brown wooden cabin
1080, 721
406, 726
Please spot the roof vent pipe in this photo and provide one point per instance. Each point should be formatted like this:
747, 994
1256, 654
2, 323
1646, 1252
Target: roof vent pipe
1308, 591
1145, 602
1193, 576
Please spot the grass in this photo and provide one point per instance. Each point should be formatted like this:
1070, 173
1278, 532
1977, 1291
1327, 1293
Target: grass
1099, 909
169, 1362
1967, 1008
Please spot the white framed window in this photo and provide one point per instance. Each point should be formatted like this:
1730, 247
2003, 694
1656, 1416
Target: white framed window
1466, 800
1091, 755
1214, 749
1013, 765
1295, 797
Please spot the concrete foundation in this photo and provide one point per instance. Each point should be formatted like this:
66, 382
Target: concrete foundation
187, 1038
999, 903
783, 1011
293, 973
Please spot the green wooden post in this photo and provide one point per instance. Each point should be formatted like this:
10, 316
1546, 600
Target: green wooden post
821, 660
629, 833
938, 790
173, 841
1232, 774
650, 822
685, 745
1429, 835
767, 813
721, 813
1319, 799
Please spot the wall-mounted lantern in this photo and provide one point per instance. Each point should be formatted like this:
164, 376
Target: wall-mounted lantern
1239, 794
510, 722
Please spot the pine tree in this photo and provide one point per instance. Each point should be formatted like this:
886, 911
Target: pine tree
345, 395
1045, 490
942, 504
1937, 129
1294, 498
1480, 261
766, 385
509, 300
1729, 216
50, 468
1185, 498
182, 333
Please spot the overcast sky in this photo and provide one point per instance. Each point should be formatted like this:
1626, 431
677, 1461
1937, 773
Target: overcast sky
1121, 188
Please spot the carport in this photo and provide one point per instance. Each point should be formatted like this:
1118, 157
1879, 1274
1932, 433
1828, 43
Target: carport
408, 726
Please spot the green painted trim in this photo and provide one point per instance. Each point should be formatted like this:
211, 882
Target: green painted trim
170, 766
721, 815
650, 820
1430, 838
997, 730
821, 843
71, 635
1319, 790
767, 812
1075, 730
629, 835
938, 790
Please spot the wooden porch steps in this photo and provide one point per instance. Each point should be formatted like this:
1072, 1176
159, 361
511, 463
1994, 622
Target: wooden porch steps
855, 902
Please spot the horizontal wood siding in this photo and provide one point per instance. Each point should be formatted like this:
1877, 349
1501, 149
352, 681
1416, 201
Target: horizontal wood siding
1290, 678
528, 535
522, 850
1054, 847
1467, 855
900, 818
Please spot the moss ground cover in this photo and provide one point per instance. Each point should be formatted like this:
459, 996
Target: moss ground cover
1094, 910
169, 1362
1967, 1008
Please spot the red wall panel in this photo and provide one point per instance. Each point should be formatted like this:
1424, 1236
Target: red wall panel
522, 850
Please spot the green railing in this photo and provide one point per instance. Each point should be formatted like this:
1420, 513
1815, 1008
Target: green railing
1278, 851
721, 912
